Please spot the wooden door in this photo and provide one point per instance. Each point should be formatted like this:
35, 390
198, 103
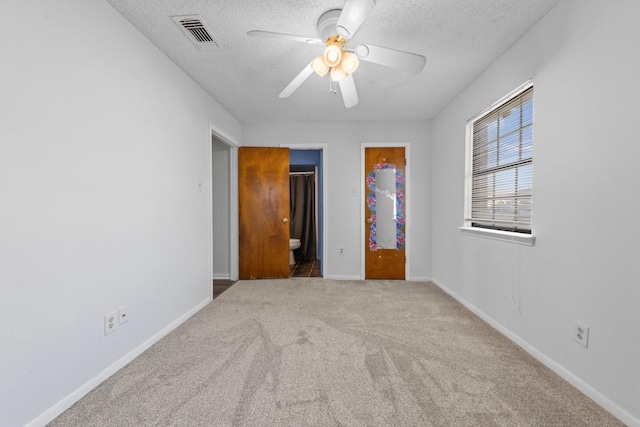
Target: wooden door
263, 204
381, 262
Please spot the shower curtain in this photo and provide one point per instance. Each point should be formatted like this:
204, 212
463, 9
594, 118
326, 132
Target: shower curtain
303, 214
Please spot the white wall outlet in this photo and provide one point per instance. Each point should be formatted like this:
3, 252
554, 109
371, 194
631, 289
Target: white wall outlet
581, 334
340, 251
110, 322
123, 315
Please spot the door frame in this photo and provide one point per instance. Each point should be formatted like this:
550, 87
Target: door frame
407, 198
234, 254
325, 191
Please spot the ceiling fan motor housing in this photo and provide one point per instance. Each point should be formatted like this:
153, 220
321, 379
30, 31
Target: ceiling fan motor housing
327, 24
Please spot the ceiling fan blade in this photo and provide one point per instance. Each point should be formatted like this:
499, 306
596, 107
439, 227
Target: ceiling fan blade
296, 82
353, 15
282, 36
391, 58
349, 93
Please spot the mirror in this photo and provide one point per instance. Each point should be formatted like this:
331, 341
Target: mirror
386, 226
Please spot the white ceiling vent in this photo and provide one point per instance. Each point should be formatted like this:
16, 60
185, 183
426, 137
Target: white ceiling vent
195, 28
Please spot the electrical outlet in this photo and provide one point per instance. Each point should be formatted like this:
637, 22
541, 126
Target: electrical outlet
123, 315
581, 334
110, 322
341, 251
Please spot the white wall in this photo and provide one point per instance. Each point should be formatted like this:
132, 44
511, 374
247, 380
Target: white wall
585, 62
343, 223
102, 143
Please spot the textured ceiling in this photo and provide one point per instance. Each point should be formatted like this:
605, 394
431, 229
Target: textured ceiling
459, 38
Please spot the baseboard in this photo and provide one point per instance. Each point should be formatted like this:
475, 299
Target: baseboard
57, 409
221, 277
332, 277
572, 379
410, 279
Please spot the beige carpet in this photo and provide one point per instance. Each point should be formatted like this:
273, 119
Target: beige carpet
314, 352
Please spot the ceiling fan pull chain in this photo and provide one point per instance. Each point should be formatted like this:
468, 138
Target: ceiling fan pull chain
332, 86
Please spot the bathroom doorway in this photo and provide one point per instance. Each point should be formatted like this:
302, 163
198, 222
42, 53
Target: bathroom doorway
306, 198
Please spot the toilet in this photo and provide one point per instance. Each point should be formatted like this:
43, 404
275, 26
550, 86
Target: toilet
293, 245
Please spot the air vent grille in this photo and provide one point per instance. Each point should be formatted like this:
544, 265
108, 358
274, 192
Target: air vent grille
195, 28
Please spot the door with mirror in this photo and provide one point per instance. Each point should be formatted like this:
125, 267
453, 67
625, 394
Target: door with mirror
385, 213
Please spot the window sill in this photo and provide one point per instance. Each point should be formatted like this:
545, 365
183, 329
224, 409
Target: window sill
505, 236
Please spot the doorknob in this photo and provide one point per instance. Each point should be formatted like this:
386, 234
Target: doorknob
369, 221
285, 220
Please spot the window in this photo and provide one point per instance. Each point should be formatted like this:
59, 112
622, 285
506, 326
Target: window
500, 162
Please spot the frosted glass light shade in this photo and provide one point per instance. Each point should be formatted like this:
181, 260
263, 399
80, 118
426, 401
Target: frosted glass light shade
349, 62
319, 66
337, 73
332, 55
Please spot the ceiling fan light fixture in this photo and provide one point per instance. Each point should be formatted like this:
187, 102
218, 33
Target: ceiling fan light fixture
349, 62
353, 15
319, 66
332, 55
338, 73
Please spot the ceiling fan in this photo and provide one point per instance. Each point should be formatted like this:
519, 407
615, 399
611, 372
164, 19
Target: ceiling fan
335, 28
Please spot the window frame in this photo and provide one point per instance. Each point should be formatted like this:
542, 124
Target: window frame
480, 231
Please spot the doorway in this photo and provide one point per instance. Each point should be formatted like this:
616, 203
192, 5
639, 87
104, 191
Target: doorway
254, 205
223, 206
303, 196
306, 197
220, 214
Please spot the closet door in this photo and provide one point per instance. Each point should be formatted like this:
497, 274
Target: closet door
385, 210
263, 203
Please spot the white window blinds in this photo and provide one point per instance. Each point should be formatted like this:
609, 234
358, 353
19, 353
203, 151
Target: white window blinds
501, 169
